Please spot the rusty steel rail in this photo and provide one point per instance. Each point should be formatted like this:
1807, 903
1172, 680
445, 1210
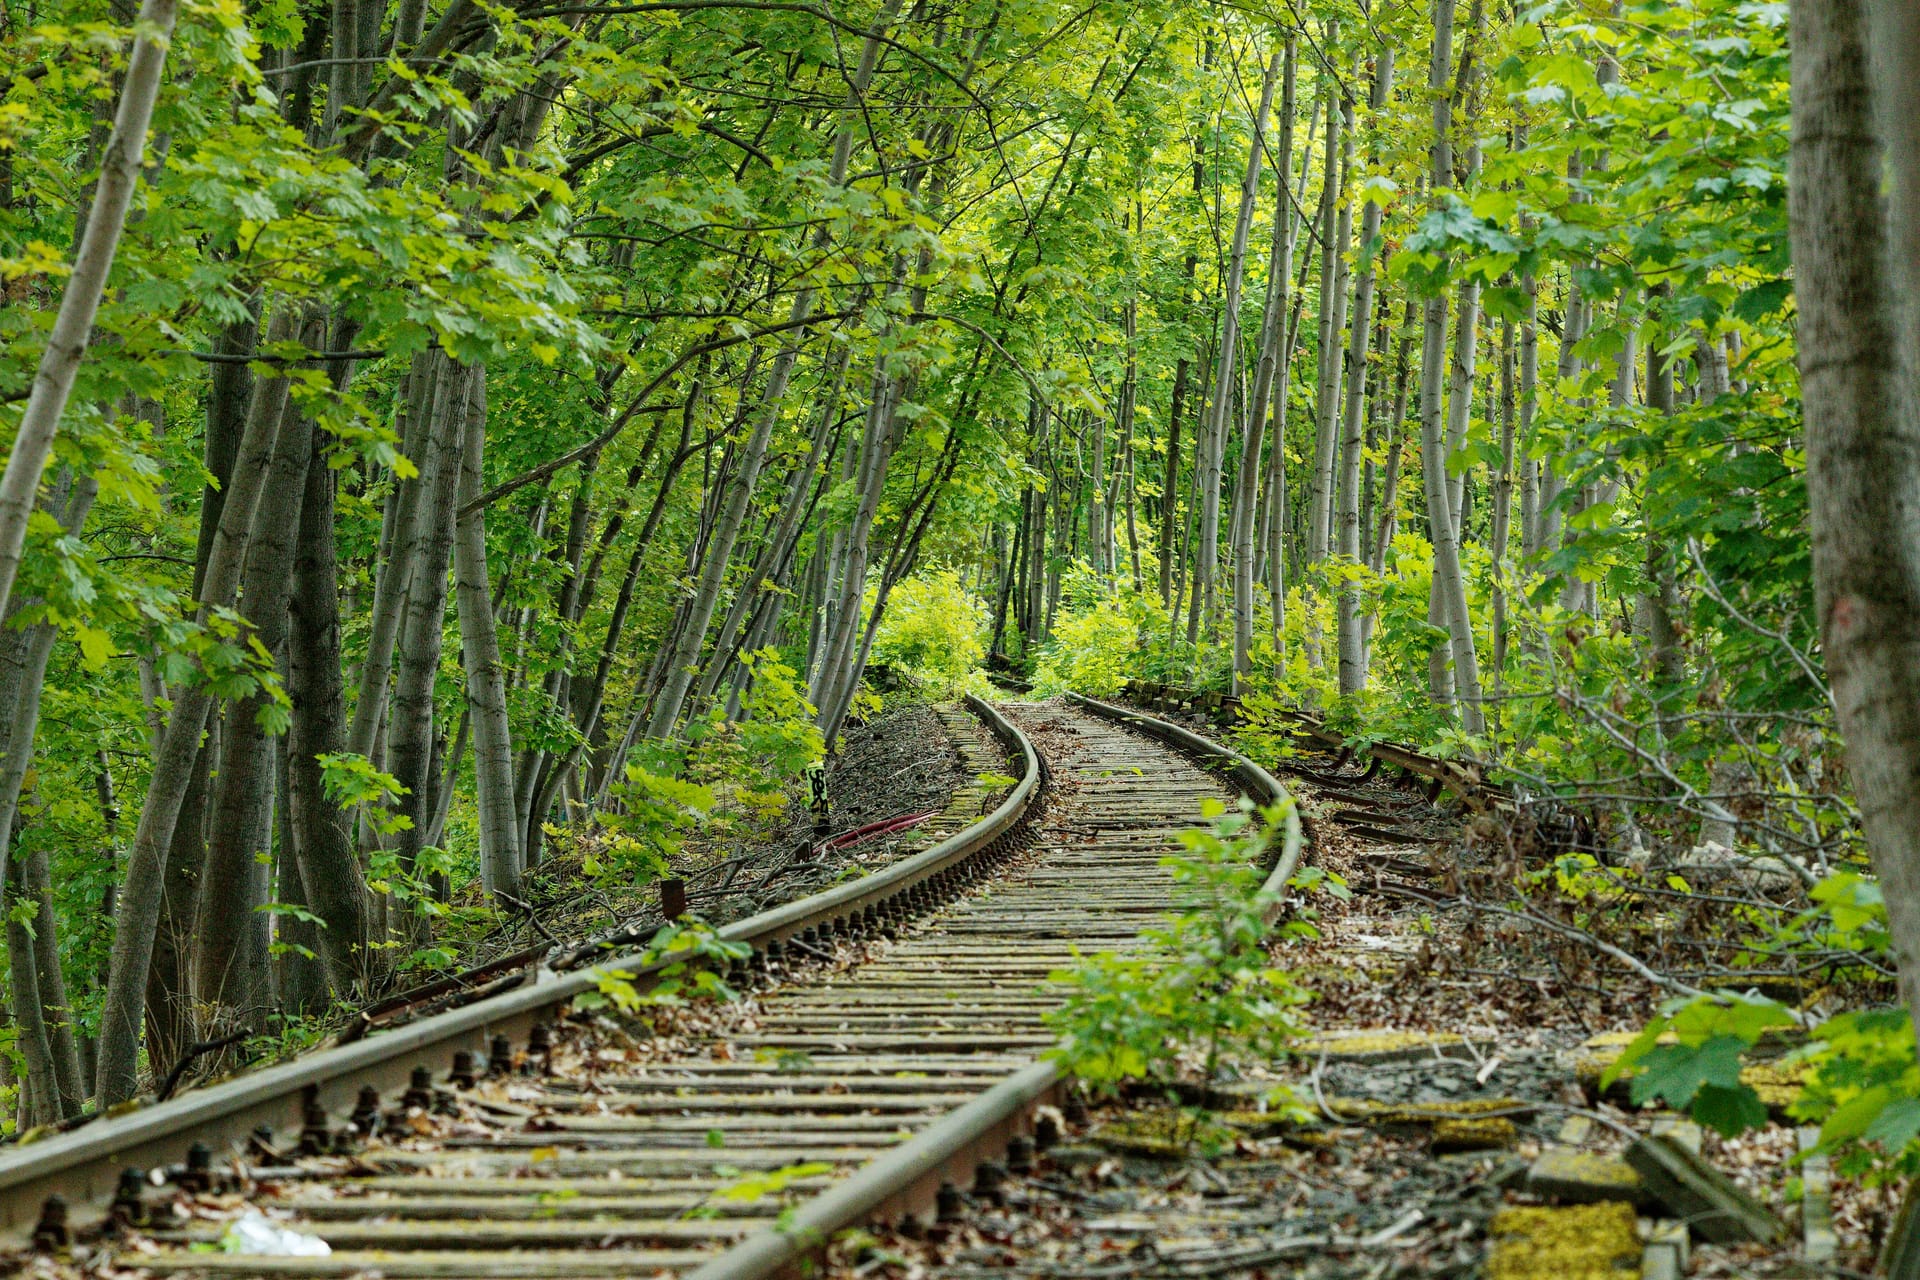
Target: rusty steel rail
1260, 786
83, 1166
904, 1181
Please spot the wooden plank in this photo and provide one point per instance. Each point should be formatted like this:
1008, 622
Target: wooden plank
493, 1232
547, 1264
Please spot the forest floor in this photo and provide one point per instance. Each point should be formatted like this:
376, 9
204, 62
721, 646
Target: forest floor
1452, 1120
905, 760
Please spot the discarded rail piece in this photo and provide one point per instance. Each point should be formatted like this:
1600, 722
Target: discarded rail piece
1463, 778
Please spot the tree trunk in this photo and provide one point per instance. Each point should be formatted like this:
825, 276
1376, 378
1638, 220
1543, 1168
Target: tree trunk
1858, 367
1529, 398
1450, 584
1272, 322
680, 662
332, 883
410, 740
1332, 301
73, 324
141, 900
23, 664
1213, 436
232, 983
1352, 641
403, 524
1170, 477
500, 867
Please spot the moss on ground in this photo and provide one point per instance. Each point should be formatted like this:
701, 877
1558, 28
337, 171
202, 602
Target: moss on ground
1163, 1135
1580, 1242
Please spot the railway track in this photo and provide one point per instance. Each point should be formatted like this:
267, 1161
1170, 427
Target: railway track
886, 1056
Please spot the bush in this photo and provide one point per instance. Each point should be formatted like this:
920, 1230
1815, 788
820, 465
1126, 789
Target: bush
1097, 634
934, 628
1202, 994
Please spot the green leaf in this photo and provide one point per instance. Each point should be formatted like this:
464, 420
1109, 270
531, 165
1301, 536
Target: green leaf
1728, 1111
1762, 300
1673, 1073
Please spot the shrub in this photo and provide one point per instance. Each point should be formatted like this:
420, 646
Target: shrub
1201, 997
1096, 635
934, 628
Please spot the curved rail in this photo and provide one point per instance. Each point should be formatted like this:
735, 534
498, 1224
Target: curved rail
1259, 785
83, 1166
949, 1149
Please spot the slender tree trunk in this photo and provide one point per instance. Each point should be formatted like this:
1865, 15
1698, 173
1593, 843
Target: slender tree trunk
33, 1036
37, 869
1451, 587
410, 740
1530, 542
404, 524
680, 663
133, 939
1272, 322
332, 884
500, 867
1170, 480
1332, 300
72, 330
232, 984
23, 665
1503, 502
778, 546
1396, 448
1352, 641
1214, 435
300, 976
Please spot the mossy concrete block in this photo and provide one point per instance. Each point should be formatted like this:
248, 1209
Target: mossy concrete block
1579, 1242
1583, 1177
1162, 1135
1778, 1083
1816, 1200
1665, 1256
1371, 1111
1492, 1133
1378, 1046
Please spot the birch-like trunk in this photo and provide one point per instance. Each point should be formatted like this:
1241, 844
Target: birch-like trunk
231, 975
1529, 399
73, 324
1170, 476
331, 880
403, 522
1272, 327
140, 901
23, 667
682, 658
1450, 588
1214, 434
1352, 640
1502, 518
410, 729
500, 867
1326, 403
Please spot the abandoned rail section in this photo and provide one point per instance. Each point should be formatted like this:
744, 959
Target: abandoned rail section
888, 1054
